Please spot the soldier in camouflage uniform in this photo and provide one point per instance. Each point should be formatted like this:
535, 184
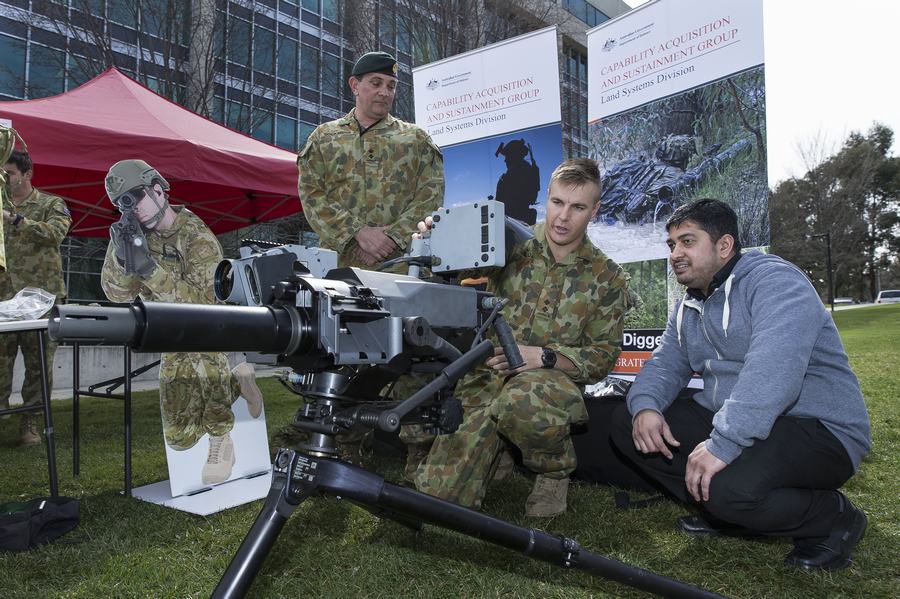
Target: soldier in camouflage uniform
196, 389
567, 303
34, 225
365, 181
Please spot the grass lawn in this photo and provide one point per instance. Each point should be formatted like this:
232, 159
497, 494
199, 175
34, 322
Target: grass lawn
127, 548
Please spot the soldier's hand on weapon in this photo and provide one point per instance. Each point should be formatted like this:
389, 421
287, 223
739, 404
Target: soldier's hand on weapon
651, 434
132, 252
118, 236
424, 226
530, 353
365, 257
375, 242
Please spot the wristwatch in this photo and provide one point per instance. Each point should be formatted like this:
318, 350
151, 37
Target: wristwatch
18, 218
548, 358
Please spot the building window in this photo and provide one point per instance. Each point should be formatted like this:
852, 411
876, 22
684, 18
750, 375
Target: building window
309, 67
239, 42
386, 27
12, 66
287, 60
263, 129
331, 75
286, 132
47, 72
237, 115
305, 130
264, 50
330, 10
123, 12
311, 5
78, 72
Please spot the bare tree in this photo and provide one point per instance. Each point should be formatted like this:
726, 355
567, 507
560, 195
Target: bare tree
177, 48
430, 30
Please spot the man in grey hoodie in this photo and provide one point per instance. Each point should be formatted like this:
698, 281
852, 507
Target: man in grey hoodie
780, 424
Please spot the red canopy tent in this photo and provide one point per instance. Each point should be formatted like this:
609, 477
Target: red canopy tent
228, 179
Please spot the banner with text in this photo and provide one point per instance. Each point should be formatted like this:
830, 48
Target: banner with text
676, 112
495, 114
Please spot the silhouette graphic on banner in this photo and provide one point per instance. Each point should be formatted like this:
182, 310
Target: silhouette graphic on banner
519, 186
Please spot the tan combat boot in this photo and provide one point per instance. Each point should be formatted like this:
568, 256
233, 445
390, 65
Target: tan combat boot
246, 378
217, 468
548, 498
28, 431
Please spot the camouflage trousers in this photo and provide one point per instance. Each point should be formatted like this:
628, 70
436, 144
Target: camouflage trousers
10, 343
196, 391
534, 410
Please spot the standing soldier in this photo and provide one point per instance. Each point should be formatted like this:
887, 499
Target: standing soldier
566, 307
175, 261
366, 179
34, 225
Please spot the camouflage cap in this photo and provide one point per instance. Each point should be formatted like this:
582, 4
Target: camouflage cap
375, 62
126, 175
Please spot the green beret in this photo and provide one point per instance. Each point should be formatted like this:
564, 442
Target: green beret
375, 62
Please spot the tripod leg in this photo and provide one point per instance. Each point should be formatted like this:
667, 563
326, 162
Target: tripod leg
279, 505
536, 544
296, 476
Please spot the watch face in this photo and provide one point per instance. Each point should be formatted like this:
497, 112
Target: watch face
548, 358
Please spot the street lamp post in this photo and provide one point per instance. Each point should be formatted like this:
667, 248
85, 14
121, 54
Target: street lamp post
827, 236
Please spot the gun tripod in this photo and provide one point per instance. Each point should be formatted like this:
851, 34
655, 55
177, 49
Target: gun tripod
297, 476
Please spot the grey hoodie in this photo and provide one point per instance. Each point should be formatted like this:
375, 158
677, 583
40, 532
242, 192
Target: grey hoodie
765, 346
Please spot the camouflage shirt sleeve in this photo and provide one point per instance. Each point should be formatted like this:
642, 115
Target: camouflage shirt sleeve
428, 195
575, 307
330, 219
51, 231
118, 286
194, 284
601, 340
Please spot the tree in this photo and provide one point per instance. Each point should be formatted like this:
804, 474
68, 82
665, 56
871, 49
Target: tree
174, 47
854, 195
430, 30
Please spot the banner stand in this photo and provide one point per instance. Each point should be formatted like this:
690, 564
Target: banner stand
210, 500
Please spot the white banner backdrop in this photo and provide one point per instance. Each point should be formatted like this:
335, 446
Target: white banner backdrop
507, 86
676, 112
663, 48
495, 113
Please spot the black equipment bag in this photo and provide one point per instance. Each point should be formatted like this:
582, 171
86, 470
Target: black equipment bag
25, 525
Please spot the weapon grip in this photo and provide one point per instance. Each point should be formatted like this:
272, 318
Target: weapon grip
508, 343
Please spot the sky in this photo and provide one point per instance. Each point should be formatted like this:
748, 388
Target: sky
830, 70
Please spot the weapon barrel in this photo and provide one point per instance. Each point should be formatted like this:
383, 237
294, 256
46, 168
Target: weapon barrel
164, 327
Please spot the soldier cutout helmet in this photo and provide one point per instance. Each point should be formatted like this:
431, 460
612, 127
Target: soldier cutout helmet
128, 180
514, 150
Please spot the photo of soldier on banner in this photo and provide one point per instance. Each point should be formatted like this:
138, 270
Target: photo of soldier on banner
706, 142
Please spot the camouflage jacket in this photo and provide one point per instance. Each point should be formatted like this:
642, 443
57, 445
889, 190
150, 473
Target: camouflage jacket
32, 247
392, 175
575, 307
187, 255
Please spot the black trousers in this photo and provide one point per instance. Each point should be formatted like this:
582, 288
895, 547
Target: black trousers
781, 486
